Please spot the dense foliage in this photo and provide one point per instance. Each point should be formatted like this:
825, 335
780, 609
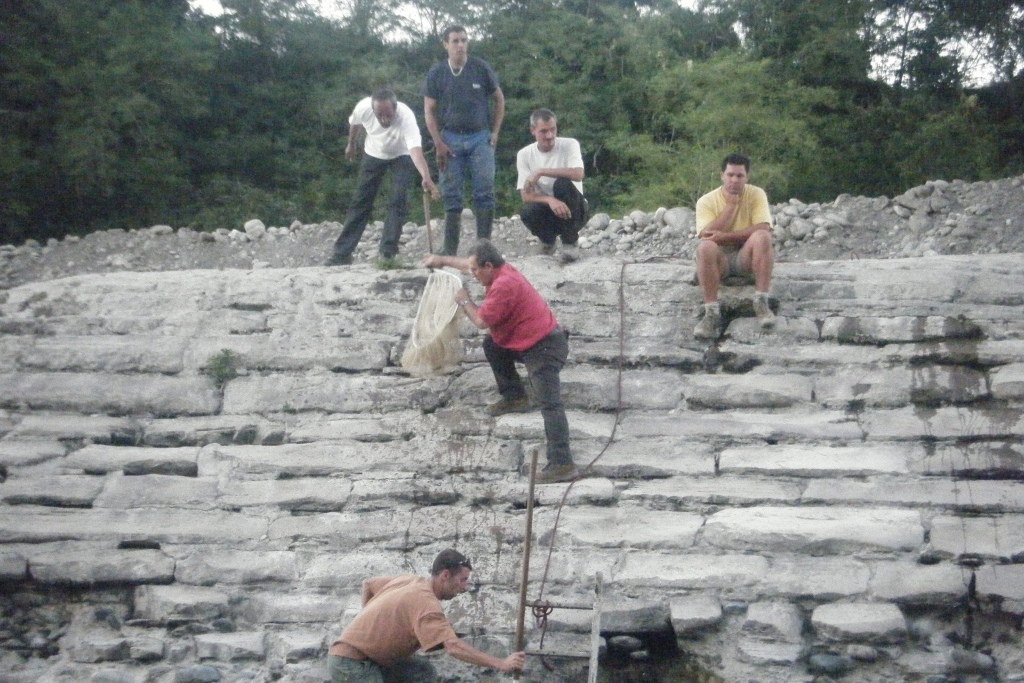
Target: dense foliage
126, 113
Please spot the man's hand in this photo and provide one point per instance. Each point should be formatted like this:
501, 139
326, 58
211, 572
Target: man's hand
560, 208
494, 140
429, 186
350, 152
514, 662
462, 296
442, 152
432, 261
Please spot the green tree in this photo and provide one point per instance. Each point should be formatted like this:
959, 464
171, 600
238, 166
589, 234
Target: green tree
96, 93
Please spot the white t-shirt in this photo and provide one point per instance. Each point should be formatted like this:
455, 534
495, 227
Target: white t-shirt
387, 143
565, 154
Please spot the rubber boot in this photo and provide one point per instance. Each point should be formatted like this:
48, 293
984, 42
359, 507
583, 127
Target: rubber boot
484, 219
452, 232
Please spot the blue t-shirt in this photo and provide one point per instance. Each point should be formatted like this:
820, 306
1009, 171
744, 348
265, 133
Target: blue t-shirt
462, 101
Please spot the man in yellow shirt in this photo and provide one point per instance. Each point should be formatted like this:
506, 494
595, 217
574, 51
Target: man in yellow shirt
734, 225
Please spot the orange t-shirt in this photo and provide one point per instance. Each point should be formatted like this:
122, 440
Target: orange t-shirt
403, 616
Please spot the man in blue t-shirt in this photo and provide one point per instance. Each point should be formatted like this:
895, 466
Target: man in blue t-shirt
456, 98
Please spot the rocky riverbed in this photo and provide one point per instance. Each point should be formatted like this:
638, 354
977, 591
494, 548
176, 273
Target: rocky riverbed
939, 217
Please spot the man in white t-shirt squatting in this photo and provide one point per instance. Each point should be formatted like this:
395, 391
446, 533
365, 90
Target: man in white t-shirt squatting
393, 143
551, 186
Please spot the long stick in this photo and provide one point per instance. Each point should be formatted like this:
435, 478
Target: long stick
426, 216
521, 615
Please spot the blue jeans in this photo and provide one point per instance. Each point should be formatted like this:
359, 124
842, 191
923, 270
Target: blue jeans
472, 154
409, 670
544, 361
371, 176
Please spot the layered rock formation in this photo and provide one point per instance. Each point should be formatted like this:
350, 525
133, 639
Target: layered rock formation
841, 495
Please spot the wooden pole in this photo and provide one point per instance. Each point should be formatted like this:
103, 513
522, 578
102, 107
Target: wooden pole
426, 217
527, 540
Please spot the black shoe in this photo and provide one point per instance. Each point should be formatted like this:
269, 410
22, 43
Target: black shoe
503, 407
339, 260
557, 474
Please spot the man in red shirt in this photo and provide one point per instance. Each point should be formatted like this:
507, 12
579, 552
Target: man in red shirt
400, 615
522, 328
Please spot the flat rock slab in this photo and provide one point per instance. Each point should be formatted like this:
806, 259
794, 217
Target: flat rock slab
859, 622
915, 424
819, 578
199, 566
815, 425
90, 568
694, 572
101, 459
321, 459
911, 583
747, 391
814, 530
990, 496
155, 354
694, 613
157, 491
231, 647
319, 494
682, 491
816, 461
1008, 382
114, 394
96, 429
56, 491
990, 537
40, 525
622, 526
776, 620
19, 453
169, 604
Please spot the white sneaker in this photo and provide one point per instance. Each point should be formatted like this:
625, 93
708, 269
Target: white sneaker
763, 312
708, 327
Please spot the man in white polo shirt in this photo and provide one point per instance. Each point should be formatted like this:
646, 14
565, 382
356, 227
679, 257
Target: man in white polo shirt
393, 143
551, 186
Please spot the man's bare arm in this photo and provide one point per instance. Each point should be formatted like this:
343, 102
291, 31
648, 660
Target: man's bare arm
466, 653
499, 115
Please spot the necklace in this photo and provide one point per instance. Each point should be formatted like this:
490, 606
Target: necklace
452, 69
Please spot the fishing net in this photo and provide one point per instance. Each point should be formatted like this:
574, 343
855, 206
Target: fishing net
434, 347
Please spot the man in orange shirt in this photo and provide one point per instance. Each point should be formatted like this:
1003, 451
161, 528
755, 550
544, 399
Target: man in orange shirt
400, 615
734, 225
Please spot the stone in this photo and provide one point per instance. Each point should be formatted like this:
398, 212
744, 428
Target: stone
907, 583
197, 674
820, 530
90, 568
58, 491
169, 604
746, 391
773, 620
616, 527
693, 614
957, 536
831, 665
865, 622
634, 617
205, 568
231, 647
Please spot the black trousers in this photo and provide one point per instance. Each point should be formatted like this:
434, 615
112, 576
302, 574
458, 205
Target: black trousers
544, 361
543, 222
371, 176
